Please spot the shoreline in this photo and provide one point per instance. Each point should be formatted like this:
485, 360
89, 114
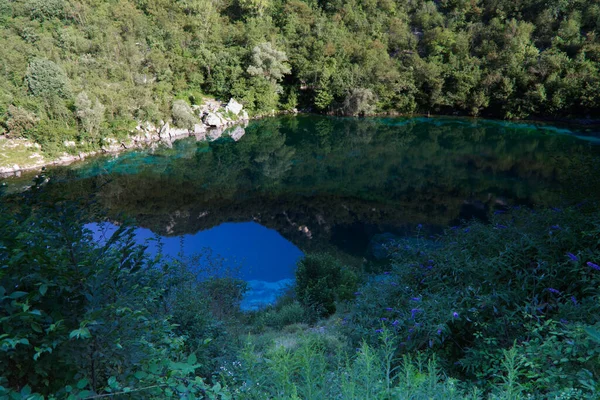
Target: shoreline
114, 146
149, 136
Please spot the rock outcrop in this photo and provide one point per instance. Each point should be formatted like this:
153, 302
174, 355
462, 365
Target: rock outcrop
214, 120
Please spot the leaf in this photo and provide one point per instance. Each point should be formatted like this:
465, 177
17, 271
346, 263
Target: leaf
26, 391
43, 289
81, 333
112, 382
17, 295
82, 383
140, 375
192, 359
593, 334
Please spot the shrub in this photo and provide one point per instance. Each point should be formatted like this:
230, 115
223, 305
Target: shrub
19, 122
321, 281
46, 79
183, 115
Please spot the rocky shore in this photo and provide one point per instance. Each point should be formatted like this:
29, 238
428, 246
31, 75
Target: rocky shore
214, 120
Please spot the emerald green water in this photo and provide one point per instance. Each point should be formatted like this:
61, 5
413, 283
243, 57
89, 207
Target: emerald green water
333, 184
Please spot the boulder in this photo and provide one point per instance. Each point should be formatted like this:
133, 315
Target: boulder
165, 131
244, 115
233, 106
214, 120
199, 128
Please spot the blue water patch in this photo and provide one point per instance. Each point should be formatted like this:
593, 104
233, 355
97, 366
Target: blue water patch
254, 253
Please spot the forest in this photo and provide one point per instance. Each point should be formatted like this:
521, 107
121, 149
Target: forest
84, 70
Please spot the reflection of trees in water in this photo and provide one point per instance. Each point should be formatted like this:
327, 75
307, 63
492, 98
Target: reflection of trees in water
342, 169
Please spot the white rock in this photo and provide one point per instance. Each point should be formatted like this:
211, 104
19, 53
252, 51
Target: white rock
213, 119
69, 143
245, 116
199, 128
165, 131
233, 106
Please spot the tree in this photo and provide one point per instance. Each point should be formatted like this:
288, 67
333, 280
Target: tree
46, 79
268, 63
90, 114
359, 102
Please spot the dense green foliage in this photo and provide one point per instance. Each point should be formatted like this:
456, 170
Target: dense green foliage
80, 318
133, 58
321, 281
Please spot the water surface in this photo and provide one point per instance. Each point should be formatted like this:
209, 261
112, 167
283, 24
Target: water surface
310, 183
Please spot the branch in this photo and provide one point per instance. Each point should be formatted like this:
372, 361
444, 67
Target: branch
118, 393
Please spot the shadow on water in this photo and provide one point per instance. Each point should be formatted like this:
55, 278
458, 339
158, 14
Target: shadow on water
328, 184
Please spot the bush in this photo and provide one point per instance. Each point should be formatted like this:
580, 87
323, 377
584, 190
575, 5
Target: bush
19, 122
183, 115
321, 281
46, 79
529, 277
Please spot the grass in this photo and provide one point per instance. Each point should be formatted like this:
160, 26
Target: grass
19, 152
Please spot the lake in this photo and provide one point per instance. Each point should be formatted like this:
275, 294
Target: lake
346, 186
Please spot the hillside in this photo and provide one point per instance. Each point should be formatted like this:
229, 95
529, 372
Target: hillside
77, 70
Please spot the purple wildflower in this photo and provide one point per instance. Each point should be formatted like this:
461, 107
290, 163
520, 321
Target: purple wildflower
564, 321
574, 300
416, 299
467, 230
498, 212
455, 314
395, 323
386, 273
439, 331
572, 256
420, 226
453, 228
411, 330
357, 293
393, 284
501, 226
556, 209
552, 290
594, 266
389, 309
555, 227
413, 312
378, 330
383, 319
